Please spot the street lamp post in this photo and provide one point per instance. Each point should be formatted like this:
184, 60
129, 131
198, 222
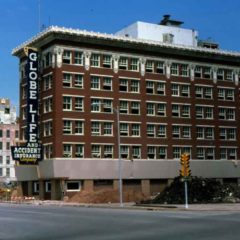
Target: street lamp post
119, 159
119, 154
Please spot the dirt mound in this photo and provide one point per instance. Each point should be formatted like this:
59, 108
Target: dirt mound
106, 196
200, 190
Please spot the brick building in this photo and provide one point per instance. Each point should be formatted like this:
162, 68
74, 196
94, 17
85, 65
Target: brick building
171, 97
9, 135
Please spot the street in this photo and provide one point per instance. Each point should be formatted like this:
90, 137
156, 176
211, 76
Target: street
23, 222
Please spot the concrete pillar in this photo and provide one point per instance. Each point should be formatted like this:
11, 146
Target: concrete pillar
88, 185
53, 189
115, 184
41, 189
30, 188
146, 187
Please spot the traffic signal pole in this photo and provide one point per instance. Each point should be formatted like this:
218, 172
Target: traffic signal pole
185, 173
186, 194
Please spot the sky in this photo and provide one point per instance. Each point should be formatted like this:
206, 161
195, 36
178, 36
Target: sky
19, 21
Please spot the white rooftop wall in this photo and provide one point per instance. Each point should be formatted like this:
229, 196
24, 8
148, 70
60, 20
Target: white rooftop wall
155, 32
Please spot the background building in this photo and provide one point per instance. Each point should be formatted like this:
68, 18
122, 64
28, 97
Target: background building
9, 135
172, 97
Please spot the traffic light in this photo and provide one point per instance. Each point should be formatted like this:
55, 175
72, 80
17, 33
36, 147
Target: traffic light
185, 165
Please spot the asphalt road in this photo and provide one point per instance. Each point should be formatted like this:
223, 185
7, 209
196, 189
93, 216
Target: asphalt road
24, 222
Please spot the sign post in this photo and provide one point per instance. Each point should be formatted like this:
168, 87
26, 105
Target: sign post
31, 152
185, 173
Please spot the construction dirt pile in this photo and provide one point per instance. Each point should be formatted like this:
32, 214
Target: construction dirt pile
200, 190
106, 196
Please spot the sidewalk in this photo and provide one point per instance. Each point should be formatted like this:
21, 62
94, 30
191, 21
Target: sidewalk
132, 206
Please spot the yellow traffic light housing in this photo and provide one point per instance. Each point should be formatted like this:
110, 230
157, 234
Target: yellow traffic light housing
185, 165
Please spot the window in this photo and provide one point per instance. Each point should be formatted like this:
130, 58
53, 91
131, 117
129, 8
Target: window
1, 133
95, 82
8, 133
78, 81
1, 145
175, 110
67, 127
48, 59
183, 69
108, 151
174, 69
67, 103
149, 87
107, 83
48, 186
7, 160
162, 153
136, 152
1, 172
180, 90
79, 152
228, 154
151, 130
186, 132
107, 106
47, 150
67, 57
47, 82
107, 128
136, 130
134, 64
227, 133
67, 80
47, 105
203, 112
95, 60
161, 109
96, 151
177, 151
220, 74
134, 86
16, 134
149, 66
135, 108
72, 186
160, 88
186, 111
160, 67
123, 85
176, 132
124, 152
161, 131
226, 94
95, 128
35, 187
78, 58
229, 75
226, 113
123, 63
95, 105
151, 152
206, 72
79, 127
123, 108
67, 150
47, 128
79, 104
107, 61
205, 153
124, 129
150, 109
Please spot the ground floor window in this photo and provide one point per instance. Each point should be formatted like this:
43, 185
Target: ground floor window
72, 186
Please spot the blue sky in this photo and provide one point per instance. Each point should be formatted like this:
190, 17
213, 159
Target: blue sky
20, 21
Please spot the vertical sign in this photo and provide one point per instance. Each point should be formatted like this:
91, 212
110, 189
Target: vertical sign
31, 153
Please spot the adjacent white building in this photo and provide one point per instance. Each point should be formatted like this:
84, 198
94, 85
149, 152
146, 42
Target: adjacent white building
9, 134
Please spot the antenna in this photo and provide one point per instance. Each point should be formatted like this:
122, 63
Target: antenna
39, 15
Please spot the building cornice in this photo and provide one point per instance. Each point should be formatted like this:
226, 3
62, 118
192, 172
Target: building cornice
56, 32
